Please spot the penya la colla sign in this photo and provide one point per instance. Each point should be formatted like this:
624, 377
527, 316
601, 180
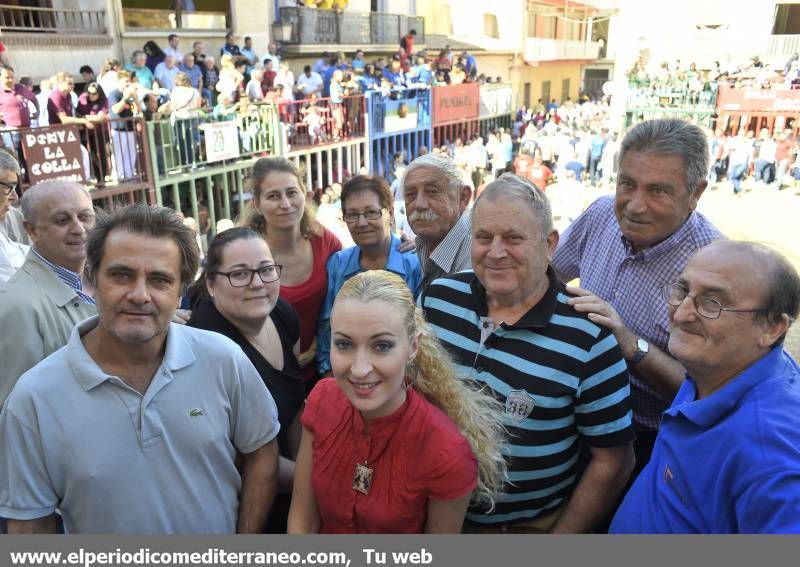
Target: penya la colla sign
53, 153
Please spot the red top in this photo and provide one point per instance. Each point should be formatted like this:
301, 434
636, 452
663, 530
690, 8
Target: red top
307, 297
14, 106
539, 174
521, 165
417, 454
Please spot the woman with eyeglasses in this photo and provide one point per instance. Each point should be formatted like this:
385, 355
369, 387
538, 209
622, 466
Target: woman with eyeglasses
368, 210
237, 296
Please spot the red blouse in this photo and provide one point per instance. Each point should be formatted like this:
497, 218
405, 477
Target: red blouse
417, 454
307, 297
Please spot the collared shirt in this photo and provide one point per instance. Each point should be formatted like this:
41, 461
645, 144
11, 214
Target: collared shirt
70, 278
166, 76
344, 265
726, 463
561, 378
593, 249
452, 254
114, 460
169, 50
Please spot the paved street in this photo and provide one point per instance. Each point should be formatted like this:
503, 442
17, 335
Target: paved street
764, 215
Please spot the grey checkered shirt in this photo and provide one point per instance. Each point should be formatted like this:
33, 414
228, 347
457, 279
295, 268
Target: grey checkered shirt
593, 249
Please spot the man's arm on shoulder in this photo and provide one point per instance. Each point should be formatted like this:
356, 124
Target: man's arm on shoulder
259, 485
598, 489
661, 372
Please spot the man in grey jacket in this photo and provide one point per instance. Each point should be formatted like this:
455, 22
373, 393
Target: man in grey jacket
44, 300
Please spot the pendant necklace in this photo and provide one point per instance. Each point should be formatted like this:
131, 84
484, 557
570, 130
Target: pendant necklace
363, 473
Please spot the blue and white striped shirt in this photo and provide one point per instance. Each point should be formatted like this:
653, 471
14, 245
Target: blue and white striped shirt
561, 378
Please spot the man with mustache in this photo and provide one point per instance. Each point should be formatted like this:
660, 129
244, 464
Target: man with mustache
560, 378
139, 425
45, 298
727, 457
623, 248
436, 198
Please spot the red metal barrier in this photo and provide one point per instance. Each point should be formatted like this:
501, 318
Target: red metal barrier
447, 133
312, 122
111, 158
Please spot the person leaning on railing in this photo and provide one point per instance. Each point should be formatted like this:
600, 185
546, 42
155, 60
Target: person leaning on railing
93, 106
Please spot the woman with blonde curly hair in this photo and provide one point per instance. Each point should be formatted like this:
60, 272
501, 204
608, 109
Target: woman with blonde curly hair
397, 442
298, 242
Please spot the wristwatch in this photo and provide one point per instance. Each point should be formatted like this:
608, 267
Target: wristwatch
642, 348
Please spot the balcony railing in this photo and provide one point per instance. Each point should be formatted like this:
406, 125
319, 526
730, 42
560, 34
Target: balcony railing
539, 49
28, 19
675, 98
312, 26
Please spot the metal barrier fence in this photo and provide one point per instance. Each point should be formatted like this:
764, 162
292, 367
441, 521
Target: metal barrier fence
308, 123
315, 26
211, 154
112, 158
668, 97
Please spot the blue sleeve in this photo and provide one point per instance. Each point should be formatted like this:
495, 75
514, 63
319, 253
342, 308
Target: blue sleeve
324, 327
771, 504
414, 275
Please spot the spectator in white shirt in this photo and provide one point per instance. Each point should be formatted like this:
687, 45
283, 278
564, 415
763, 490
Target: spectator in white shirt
172, 48
309, 82
12, 254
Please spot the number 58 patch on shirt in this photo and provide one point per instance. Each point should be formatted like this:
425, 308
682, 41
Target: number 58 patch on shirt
519, 404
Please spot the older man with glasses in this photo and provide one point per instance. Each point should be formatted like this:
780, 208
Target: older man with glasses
12, 252
727, 455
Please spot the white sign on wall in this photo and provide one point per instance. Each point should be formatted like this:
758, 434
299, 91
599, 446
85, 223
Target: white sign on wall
222, 140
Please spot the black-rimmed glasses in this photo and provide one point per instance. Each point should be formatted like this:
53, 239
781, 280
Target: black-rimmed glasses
9, 187
244, 277
707, 307
372, 214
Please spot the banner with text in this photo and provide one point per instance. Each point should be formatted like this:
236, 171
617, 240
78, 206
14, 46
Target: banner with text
55, 153
452, 103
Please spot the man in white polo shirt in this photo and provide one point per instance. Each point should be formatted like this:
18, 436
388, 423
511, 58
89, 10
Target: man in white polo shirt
135, 426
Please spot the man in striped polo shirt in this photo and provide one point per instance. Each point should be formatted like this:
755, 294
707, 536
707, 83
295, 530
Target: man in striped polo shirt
560, 377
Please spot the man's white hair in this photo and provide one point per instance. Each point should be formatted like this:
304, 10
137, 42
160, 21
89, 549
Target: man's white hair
444, 164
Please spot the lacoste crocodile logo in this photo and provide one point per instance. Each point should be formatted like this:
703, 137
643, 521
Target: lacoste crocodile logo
196, 412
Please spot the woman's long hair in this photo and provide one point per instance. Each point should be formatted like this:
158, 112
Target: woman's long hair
474, 412
252, 218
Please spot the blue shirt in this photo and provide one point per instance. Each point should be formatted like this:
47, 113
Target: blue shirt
729, 463
195, 74
344, 265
